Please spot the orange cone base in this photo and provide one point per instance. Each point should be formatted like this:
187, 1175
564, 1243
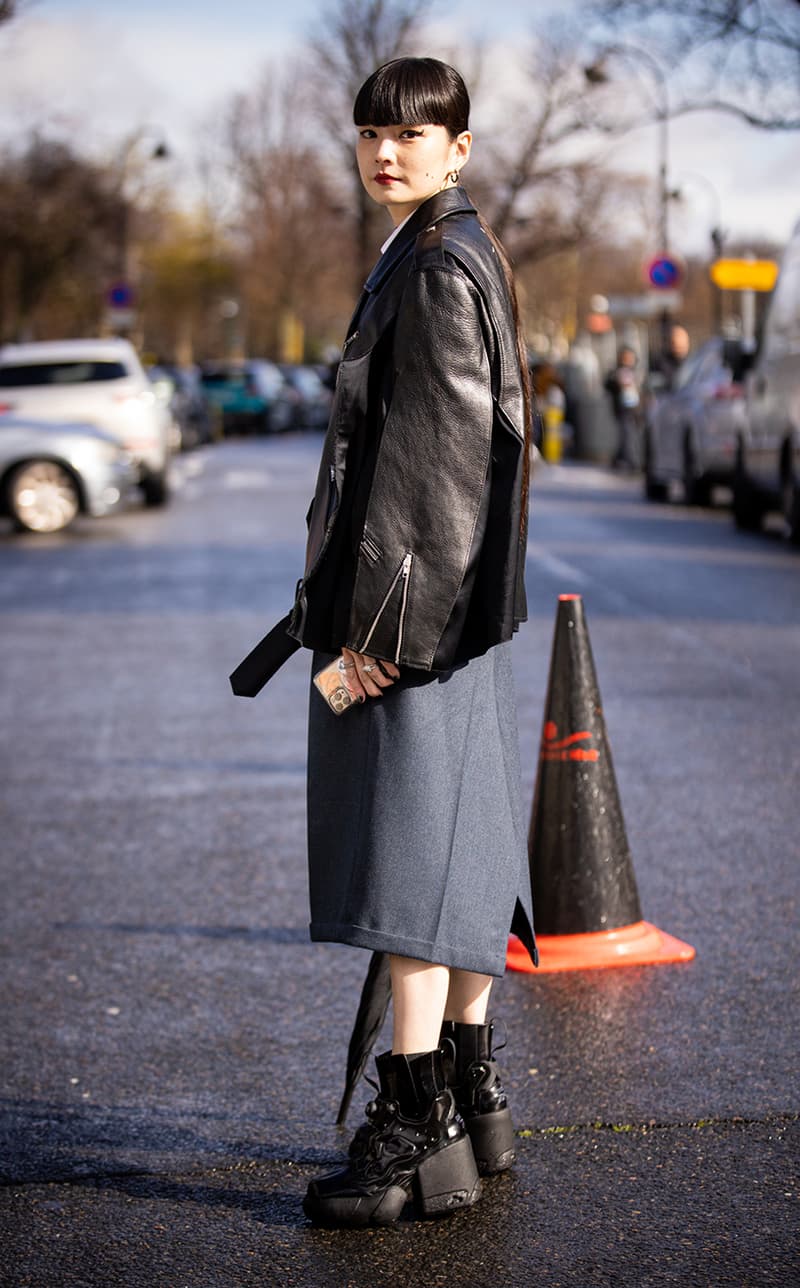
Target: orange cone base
640, 944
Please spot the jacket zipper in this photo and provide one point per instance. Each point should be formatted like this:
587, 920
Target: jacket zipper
406, 571
403, 571
331, 508
345, 347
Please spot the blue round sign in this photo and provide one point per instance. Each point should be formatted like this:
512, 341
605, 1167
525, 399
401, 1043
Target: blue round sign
664, 273
120, 296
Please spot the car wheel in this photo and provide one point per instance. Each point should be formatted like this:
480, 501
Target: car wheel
43, 496
155, 489
696, 488
748, 506
791, 507
654, 489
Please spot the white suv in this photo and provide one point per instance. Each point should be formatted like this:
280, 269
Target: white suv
100, 382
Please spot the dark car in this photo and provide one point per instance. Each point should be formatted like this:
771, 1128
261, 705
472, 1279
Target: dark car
314, 397
691, 431
252, 396
181, 389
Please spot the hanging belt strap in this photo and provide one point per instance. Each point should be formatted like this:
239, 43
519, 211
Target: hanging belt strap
264, 660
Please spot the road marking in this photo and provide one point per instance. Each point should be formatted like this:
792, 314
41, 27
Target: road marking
708, 554
247, 480
558, 568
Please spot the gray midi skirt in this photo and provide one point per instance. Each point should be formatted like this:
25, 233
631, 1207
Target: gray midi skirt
416, 836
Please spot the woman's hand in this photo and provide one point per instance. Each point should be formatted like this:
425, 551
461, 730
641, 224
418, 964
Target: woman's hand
364, 676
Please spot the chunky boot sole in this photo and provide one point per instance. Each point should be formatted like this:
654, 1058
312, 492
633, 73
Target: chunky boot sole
356, 1211
492, 1137
443, 1182
447, 1180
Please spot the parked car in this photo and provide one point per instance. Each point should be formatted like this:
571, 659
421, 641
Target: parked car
690, 432
767, 473
252, 396
95, 382
313, 406
50, 473
181, 391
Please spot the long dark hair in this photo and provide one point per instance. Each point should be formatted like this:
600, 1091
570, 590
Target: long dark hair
416, 91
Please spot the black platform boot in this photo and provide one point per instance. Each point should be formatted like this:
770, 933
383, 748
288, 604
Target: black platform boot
415, 1147
475, 1082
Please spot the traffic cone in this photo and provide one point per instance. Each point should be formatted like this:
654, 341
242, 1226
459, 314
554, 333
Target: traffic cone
585, 900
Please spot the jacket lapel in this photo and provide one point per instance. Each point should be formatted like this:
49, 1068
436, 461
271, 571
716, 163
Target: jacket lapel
452, 201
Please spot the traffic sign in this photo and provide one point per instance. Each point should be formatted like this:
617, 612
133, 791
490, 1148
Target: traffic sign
744, 274
664, 272
120, 296
644, 306
119, 320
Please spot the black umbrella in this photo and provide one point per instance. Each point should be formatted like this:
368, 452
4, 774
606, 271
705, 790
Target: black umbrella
371, 1013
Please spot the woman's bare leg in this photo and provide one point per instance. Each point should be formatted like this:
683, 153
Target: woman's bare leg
468, 997
419, 993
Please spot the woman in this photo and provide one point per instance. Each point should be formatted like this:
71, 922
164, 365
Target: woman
414, 580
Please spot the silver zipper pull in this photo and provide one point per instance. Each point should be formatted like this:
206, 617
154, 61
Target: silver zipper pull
404, 570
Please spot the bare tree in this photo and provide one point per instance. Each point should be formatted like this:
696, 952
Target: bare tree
352, 39
356, 36
541, 185
59, 222
526, 167
741, 57
291, 220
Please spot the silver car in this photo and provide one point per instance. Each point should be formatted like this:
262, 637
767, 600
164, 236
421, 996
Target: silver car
50, 472
768, 456
92, 382
691, 432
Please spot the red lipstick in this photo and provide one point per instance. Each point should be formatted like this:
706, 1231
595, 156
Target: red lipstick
385, 178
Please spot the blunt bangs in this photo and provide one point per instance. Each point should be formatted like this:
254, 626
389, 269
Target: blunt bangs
413, 91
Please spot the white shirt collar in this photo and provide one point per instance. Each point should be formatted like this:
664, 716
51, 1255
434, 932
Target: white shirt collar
394, 233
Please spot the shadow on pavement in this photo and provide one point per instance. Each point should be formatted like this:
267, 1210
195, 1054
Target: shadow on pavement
52, 1141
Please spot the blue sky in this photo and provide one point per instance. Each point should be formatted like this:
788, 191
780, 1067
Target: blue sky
101, 70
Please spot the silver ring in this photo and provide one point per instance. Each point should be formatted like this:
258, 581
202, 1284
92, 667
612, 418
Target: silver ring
369, 668
347, 666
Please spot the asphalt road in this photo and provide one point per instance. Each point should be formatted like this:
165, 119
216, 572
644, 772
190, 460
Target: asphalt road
173, 1046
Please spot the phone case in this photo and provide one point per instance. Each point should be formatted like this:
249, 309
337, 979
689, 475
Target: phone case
331, 685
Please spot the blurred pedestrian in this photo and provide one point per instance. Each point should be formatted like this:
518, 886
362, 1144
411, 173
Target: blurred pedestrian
413, 588
676, 353
623, 385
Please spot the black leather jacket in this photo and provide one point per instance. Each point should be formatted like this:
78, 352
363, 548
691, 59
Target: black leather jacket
416, 541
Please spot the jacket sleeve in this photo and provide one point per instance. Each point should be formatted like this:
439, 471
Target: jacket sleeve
430, 472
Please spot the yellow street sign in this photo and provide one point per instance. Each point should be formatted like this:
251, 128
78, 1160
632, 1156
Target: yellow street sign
744, 274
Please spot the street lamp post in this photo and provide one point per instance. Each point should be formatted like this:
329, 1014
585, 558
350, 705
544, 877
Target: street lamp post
716, 237
120, 315
596, 74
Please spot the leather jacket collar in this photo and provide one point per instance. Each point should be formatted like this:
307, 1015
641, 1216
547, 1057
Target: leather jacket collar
451, 201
